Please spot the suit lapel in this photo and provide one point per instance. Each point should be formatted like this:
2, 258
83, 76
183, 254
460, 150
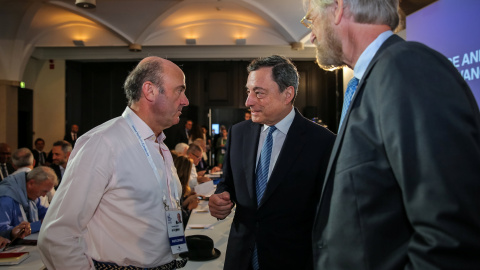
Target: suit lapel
291, 148
251, 157
391, 40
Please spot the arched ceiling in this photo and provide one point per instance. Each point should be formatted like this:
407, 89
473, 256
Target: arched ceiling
46, 29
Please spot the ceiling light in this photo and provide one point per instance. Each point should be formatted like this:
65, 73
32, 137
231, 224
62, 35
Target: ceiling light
135, 47
86, 3
78, 42
191, 41
241, 41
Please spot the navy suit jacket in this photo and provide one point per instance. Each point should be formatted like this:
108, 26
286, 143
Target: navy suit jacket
402, 186
281, 226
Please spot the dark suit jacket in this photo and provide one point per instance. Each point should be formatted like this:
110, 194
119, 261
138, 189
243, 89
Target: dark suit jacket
36, 155
68, 138
10, 169
56, 169
281, 225
402, 186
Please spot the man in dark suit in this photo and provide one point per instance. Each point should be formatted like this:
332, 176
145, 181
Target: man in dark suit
61, 151
38, 154
276, 197
72, 136
402, 185
6, 167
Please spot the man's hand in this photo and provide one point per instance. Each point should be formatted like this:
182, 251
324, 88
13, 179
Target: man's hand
3, 242
220, 205
23, 225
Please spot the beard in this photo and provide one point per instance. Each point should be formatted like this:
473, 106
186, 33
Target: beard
329, 50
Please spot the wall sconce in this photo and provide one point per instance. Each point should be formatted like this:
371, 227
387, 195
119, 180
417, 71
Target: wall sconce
297, 46
78, 43
191, 41
86, 3
240, 41
135, 47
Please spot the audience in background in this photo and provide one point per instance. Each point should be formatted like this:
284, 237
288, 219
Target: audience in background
189, 198
38, 154
19, 198
23, 161
72, 136
220, 147
6, 167
181, 149
194, 153
60, 153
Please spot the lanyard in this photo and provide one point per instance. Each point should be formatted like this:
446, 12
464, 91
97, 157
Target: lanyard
154, 168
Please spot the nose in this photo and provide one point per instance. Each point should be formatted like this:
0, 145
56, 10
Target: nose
185, 100
250, 99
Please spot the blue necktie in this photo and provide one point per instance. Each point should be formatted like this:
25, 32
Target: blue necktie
351, 87
262, 179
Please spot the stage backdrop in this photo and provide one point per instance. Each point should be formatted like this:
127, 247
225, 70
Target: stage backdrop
451, 27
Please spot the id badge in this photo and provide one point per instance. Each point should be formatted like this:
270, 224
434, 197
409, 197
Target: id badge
175, 231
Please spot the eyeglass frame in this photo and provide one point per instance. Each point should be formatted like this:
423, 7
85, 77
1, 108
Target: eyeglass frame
307, 22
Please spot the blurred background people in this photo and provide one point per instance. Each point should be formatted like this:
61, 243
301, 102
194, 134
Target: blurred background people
6, 167
38, 154
19, 198
60, 153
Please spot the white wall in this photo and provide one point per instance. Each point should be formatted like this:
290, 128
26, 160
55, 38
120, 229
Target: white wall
48, 100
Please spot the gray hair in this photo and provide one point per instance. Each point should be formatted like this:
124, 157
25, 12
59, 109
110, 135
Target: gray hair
367, 11
284, 72
181, 147
41, 174
66, 146
147, 70
193, 148
22, 157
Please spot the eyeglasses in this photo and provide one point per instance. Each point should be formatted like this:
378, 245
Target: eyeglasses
307, 22
195, 155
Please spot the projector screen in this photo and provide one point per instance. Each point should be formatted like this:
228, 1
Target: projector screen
451, 27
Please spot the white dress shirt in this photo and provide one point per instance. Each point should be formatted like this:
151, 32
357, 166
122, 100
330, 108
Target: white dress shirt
109, 206
278, 137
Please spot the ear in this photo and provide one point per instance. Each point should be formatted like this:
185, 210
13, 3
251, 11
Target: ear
338, 11
30, 183
289, 93
148, 90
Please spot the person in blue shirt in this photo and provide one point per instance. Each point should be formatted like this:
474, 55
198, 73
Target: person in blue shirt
19, 199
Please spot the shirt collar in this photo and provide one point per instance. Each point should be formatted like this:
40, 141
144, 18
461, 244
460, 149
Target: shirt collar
367, 55
284, 124
143, 129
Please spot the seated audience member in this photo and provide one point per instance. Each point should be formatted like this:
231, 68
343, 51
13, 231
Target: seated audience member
181, 149
6, 168
221, 148
6, 236
202, 166
19, 198
60, 153
23, 161
189, 199
194, 153
38, 154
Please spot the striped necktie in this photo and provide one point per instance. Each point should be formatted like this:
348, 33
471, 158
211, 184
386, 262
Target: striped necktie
262, 179
352, 86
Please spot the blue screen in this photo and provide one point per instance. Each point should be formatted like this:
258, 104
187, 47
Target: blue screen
451, 27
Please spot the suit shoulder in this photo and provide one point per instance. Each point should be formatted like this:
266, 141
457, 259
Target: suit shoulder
316, 129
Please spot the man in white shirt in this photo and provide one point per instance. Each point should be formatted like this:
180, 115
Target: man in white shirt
110, 210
